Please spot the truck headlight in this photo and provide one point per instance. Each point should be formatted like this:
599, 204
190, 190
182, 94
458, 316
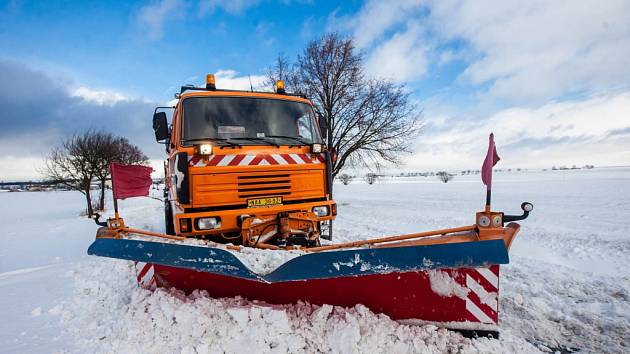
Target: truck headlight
208, 223
484, 221
205, 149
497, 221
316, 148
321, 210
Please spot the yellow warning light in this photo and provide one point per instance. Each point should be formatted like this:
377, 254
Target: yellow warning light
210, 82
280, 86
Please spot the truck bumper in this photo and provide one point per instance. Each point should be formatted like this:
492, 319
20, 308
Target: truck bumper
230, 218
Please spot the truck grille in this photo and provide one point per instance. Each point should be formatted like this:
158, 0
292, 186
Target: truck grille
263, 185
235, 188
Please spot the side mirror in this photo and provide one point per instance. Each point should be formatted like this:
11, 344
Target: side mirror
526, 207
160, 126
323, 127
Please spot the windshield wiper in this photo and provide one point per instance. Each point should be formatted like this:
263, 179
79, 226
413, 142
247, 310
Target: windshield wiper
259, 139
294, 138
221, 140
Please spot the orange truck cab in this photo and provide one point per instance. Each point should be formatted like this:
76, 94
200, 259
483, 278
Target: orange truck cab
246, 168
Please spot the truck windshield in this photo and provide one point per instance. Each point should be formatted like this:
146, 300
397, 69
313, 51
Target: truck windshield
247, 120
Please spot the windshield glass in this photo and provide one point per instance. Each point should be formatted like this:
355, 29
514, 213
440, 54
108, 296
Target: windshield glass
246, 120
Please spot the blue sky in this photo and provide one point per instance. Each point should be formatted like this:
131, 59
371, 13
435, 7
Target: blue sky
549, 78
108, 44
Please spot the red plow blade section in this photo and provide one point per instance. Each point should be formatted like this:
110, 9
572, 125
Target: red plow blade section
464, 298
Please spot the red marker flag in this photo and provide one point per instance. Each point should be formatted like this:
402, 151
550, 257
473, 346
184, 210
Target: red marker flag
130, 180
491, 159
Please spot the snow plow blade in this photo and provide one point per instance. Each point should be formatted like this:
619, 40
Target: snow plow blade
322, 265
452, 284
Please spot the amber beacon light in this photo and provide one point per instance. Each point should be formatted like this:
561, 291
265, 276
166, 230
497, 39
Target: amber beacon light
210, 84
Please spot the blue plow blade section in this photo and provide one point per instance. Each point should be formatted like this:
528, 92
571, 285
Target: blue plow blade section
317, 265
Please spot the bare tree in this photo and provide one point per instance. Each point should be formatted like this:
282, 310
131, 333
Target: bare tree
371, 120
444, 176
72, 164
84, 158
345, 179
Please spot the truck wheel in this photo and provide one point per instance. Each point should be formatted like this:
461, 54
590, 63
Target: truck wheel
168, 219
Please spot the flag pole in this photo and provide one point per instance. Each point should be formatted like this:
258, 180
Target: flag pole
488, 196
116, 208
111, 171
487, 168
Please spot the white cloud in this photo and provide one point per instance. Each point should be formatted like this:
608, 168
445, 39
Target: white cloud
525, 52
541, 49
402, 57
229, 79
21, 168
594, 131
388, 33
101, 97
231, 6
564, 64
154, 16
378, 16
447, 56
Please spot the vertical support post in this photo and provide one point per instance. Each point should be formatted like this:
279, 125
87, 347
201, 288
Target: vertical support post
111, 172
115, 206
488, 198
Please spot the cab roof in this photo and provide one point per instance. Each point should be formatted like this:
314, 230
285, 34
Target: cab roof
190, 91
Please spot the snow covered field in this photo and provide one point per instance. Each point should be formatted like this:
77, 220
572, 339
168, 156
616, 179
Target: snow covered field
567, 286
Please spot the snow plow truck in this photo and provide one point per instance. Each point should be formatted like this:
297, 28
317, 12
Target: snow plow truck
249, 169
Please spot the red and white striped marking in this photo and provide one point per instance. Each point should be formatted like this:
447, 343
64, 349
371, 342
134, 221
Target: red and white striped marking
146, 275
482, 302
255, 160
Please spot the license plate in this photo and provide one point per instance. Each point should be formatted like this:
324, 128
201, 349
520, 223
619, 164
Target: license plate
263, 202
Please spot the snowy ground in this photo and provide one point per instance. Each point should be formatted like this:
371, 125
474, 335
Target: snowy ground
567, 286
